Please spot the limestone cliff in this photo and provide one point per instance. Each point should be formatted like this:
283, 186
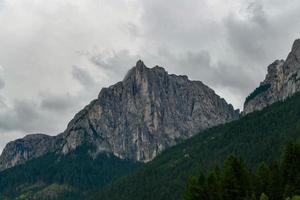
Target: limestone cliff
282, 81
137, 118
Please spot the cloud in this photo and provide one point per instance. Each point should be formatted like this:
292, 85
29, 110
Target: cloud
200, 66
84, 78
114, 62
23, 116
57, 103
49, 113
2, 84
226, 44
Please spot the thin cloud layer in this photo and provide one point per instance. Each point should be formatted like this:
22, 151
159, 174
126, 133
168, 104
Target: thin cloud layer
56, 55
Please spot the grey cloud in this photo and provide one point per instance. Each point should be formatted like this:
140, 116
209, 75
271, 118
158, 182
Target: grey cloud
84, 78
2, 84
133, 30
116, 63
1, 4
225, 44
257, 14
28, 116
246, 37
199, 66
22, 116
178, 25
57, 103
264, 34
234, 77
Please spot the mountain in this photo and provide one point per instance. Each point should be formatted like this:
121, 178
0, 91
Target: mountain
282, 81
144, 136
257, 137
68, 177
136, 119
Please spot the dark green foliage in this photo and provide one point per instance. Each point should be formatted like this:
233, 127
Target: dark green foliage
257, 91
257, 137
291, 170
78, 170
263, 196
263, 179
235, 182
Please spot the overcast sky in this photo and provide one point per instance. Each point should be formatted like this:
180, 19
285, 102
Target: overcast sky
56, 55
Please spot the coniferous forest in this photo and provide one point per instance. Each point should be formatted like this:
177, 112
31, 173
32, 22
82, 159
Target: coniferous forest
263, 163
235, 181
260, 145
149, 100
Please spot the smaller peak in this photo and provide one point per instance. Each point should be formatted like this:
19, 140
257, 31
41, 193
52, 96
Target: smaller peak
139, 68
140, 64
275, 64
296, 45
159, 69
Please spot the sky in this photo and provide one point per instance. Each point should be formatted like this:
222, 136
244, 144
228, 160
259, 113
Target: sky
56, 55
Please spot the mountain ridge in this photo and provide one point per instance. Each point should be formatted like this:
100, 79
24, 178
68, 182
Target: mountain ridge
257, 137
136, 118
282, 80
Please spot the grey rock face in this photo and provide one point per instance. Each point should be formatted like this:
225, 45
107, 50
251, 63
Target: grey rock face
282, 81
142, 115
20, 150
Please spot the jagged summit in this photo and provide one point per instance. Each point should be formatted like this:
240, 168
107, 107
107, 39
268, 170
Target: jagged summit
140, 69
135, 119
296, 45
282, 81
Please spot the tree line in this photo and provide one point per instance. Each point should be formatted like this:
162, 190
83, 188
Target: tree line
235, 181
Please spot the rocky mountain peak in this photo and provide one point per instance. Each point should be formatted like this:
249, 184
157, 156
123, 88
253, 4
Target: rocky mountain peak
273, 70
136, 118
140, 66
282, 81
141, 71
20, 150
296, 47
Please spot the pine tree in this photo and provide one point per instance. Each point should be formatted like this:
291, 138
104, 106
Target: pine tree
196, 189
275, 186
263, 181
213, 186
235, 182
263, 196
291, 169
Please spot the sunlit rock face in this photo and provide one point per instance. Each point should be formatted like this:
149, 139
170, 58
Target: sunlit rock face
282, 81
139, 117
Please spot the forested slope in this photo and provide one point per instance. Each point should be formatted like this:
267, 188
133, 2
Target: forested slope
257, 137
66, 177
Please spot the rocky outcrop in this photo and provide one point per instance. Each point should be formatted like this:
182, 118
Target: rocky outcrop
31, 146
282, 81
137, 118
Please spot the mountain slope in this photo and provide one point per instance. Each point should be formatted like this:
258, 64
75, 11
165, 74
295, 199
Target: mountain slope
282, 81
67, 177
259, 136
135, 119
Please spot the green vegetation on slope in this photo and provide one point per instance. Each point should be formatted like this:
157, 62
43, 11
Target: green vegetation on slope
257, 91
235, 181
257, 137
63, 177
